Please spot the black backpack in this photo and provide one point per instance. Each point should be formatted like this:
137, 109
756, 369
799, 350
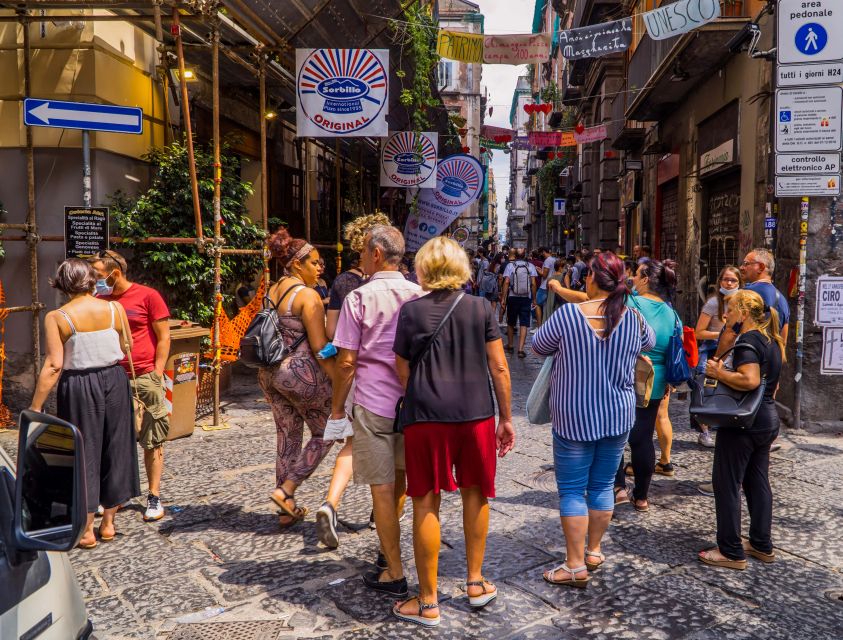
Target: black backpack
263, 343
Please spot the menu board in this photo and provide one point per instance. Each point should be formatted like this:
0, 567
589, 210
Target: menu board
85, 231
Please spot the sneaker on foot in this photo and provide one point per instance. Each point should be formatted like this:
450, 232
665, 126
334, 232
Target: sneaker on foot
326, 526
154, 510
706, 440
707, 489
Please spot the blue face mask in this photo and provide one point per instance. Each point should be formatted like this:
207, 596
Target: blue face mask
728, 292
102, 288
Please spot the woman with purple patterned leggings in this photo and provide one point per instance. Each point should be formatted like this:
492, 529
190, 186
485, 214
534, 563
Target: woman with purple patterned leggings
298, 389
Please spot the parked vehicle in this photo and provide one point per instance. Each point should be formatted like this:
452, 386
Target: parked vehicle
42, 517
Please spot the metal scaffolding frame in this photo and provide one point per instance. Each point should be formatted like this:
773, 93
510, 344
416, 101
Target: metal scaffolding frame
264, 45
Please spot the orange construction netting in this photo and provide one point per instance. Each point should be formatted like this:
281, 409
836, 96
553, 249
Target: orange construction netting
231, 331
5, 415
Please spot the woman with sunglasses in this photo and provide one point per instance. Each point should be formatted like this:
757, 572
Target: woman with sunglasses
709, 326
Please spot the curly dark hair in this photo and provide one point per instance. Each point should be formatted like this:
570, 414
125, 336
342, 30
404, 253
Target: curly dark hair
283, 246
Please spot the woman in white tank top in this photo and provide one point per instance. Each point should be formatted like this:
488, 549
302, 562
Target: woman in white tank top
84, 342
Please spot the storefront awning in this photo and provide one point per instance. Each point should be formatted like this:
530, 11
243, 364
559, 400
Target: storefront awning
669, 70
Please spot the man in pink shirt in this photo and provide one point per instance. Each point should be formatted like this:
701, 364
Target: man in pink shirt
364, 337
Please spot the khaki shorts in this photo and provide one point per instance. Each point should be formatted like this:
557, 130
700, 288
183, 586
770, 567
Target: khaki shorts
376, 450
156, 419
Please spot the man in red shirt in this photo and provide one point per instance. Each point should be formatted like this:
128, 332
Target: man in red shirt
148, 321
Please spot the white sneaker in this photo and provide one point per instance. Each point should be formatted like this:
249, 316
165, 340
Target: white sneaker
326, 526
706, 440
154, 510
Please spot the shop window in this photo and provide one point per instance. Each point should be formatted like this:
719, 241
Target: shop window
720, 225
669, 227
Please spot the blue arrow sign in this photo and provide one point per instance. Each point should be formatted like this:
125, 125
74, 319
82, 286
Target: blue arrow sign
82, 115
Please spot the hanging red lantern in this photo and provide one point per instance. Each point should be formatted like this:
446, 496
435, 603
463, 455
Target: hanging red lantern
580, 127
547, 108
528, 108
551, 155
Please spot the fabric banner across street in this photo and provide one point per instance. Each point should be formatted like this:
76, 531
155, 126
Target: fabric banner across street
596, 40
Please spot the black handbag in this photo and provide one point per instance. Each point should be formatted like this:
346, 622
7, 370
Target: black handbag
396, 424
719, 406
263, 343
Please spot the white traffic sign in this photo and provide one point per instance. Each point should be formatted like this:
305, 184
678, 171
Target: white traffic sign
802, 75
82, 115
809, 31
808, 119
829, 309
799, 186
791, 164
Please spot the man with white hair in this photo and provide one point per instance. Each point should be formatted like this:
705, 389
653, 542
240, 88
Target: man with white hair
364, 337
757, 271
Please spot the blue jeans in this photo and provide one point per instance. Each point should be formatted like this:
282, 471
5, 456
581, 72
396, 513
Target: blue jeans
707, 349
585, 473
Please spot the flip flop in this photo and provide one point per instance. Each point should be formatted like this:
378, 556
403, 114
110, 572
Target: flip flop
478, 602
758, 555
621, 501
107, 538
296, 512
593, 566
738, 565
418, 618
579, 583
90, 545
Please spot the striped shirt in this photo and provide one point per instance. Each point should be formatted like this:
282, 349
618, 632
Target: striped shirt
592, 384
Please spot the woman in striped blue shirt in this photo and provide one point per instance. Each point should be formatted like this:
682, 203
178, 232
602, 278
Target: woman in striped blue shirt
592, 406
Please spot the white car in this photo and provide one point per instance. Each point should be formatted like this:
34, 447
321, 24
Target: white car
42, 516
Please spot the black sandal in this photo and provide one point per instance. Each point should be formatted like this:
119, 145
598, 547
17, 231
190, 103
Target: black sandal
522, 354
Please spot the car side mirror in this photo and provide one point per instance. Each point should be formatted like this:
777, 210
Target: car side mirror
50, 493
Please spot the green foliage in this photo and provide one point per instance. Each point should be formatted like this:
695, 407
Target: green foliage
551, 94
182, 273
417, 35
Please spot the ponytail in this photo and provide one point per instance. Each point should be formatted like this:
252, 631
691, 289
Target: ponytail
608, 273
772, 331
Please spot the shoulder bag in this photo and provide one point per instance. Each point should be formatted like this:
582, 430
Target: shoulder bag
263, 343
396, 424
720, 406
645, 375
138, 407
676, 368
538, 402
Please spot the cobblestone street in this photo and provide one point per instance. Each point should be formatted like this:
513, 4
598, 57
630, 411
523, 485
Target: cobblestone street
219, 547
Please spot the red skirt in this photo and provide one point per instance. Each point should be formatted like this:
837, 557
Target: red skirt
435, 451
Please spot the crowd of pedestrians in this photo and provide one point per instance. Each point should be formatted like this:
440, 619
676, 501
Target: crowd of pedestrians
402, 361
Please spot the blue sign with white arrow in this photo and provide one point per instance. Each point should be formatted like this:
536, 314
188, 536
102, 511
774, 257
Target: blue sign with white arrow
82, 115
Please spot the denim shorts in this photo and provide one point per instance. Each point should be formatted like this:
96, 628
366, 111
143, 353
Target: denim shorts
541, 297
585, 473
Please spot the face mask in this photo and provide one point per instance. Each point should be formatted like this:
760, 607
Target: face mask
102, 288
727, 292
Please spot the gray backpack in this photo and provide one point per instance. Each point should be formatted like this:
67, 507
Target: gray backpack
520, 281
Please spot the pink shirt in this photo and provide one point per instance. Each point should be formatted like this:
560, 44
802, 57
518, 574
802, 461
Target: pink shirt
367, 325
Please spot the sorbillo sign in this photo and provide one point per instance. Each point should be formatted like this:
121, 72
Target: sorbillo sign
342, 92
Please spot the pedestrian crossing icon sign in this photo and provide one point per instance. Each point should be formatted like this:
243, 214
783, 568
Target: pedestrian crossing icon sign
811, 38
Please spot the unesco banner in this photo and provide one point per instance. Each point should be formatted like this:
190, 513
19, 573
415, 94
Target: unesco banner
342, 92
680, 17
459, 182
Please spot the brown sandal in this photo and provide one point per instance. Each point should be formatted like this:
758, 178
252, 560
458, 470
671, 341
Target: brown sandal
738, 565
296, 514
758, 555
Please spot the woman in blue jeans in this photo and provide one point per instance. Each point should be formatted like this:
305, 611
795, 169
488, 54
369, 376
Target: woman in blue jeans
592, 407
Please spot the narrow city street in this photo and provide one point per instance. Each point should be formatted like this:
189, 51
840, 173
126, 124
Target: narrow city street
217, 566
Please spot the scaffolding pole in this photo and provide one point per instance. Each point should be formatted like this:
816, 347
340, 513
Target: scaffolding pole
31, 218
264, 163
185, 109
218, 240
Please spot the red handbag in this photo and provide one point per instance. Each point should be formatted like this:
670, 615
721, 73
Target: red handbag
689, 344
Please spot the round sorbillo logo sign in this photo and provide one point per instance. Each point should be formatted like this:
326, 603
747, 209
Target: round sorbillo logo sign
459, 180
342, 90
409, 159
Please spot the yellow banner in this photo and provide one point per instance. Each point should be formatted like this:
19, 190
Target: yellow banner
458, 45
